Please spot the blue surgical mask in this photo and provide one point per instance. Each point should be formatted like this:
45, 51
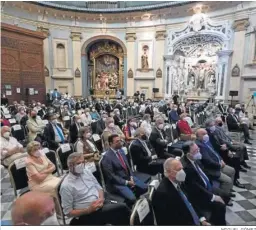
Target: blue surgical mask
197, 156
212, 129
205, 138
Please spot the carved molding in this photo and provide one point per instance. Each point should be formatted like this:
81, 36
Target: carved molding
159, 73
240, 25
130, 37
46, 72
161, 35
76, 36
77, 73
235, 71
44, 30
130, 73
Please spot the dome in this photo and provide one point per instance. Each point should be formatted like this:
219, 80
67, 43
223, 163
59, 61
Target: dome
110, 6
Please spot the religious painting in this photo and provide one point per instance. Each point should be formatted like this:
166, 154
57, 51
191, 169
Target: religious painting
107, 71
145, 49
236, 71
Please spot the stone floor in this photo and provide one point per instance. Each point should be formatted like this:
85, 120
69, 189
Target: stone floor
243, 211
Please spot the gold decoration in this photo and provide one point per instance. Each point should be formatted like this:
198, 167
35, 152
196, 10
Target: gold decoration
76, 36
240, 25
130, 37
130, 73
159, 73
160, 35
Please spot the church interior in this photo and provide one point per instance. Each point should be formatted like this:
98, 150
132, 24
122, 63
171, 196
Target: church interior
94, 50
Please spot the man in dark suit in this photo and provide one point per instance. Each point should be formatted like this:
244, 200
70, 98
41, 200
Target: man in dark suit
214, 167
198, 186
171, 205
118, 174
143, 155
74, 128
99, 126
233, 124
225, 149
53, 133
158, 140
149, 110
117, 119
173, 115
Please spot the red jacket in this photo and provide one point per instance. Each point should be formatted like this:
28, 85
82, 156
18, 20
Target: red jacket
184, 127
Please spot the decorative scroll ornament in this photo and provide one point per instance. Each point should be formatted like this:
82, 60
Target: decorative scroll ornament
46, 72
77, 73
106, 47
159, 73
130, 73
236, 71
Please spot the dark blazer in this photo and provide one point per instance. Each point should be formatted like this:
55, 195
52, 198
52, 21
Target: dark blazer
149, 110
140, 156
173, 116
157, 143
49, 136
198, 194
169, 207
98, 107
98, 127
73, 132
118, 121
210, 162
114, 173
232, 123
41, 113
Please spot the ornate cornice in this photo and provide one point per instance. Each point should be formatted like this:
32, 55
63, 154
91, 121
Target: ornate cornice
223, 53
44, 30
161, 35
240, 25
130, 37
76, 36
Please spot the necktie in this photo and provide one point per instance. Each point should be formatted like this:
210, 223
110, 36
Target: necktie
189, 206
208, 146
59, 131
204, 177
122, 160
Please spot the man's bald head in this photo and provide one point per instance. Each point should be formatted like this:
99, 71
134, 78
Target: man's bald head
32, 208
171, 167
200, 133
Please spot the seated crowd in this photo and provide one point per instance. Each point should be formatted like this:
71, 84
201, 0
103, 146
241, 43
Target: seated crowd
111, 154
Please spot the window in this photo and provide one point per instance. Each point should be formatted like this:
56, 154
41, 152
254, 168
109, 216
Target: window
61, 56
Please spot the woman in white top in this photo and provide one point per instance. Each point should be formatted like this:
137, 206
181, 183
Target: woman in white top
146, 124
86, 117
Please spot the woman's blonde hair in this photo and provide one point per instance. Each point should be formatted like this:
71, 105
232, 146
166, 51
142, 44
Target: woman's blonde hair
32, 146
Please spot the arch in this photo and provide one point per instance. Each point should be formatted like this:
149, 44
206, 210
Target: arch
88, 42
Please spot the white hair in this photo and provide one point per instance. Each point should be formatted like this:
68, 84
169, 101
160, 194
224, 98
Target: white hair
72, 157
167, 166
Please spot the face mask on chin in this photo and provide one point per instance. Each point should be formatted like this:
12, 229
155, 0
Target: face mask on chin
52, 220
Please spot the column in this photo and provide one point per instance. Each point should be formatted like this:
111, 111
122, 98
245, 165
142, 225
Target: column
168, 77
45, 31
240, 27
158, 60
76, 44
130, 41
223, 73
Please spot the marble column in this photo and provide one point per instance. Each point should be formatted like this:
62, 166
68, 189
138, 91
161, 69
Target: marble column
76, 44
47, 63
240, 27
158, 60
223, 73
130, 42
168, 75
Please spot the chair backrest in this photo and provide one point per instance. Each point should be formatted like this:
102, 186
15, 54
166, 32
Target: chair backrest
58, 201
102, 173
18, 174
51, 155
142, 214
18, 132
62, 154
152, 188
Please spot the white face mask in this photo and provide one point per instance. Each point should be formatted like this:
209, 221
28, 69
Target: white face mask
6, 134
181, 176
161, 126
79, 121
79, 168
54, 121
88, 135
52, 220
38, 153
111, 125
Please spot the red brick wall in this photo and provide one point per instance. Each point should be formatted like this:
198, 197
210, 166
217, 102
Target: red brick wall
22, 62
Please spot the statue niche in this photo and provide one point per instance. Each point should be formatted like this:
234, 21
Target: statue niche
107, 68
144, 57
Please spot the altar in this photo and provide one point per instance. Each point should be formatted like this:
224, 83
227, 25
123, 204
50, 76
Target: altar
106, 68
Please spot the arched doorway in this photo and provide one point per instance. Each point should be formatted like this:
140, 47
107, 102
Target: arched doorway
104, 66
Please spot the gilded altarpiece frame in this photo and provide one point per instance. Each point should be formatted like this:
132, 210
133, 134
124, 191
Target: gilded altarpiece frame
107, 66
